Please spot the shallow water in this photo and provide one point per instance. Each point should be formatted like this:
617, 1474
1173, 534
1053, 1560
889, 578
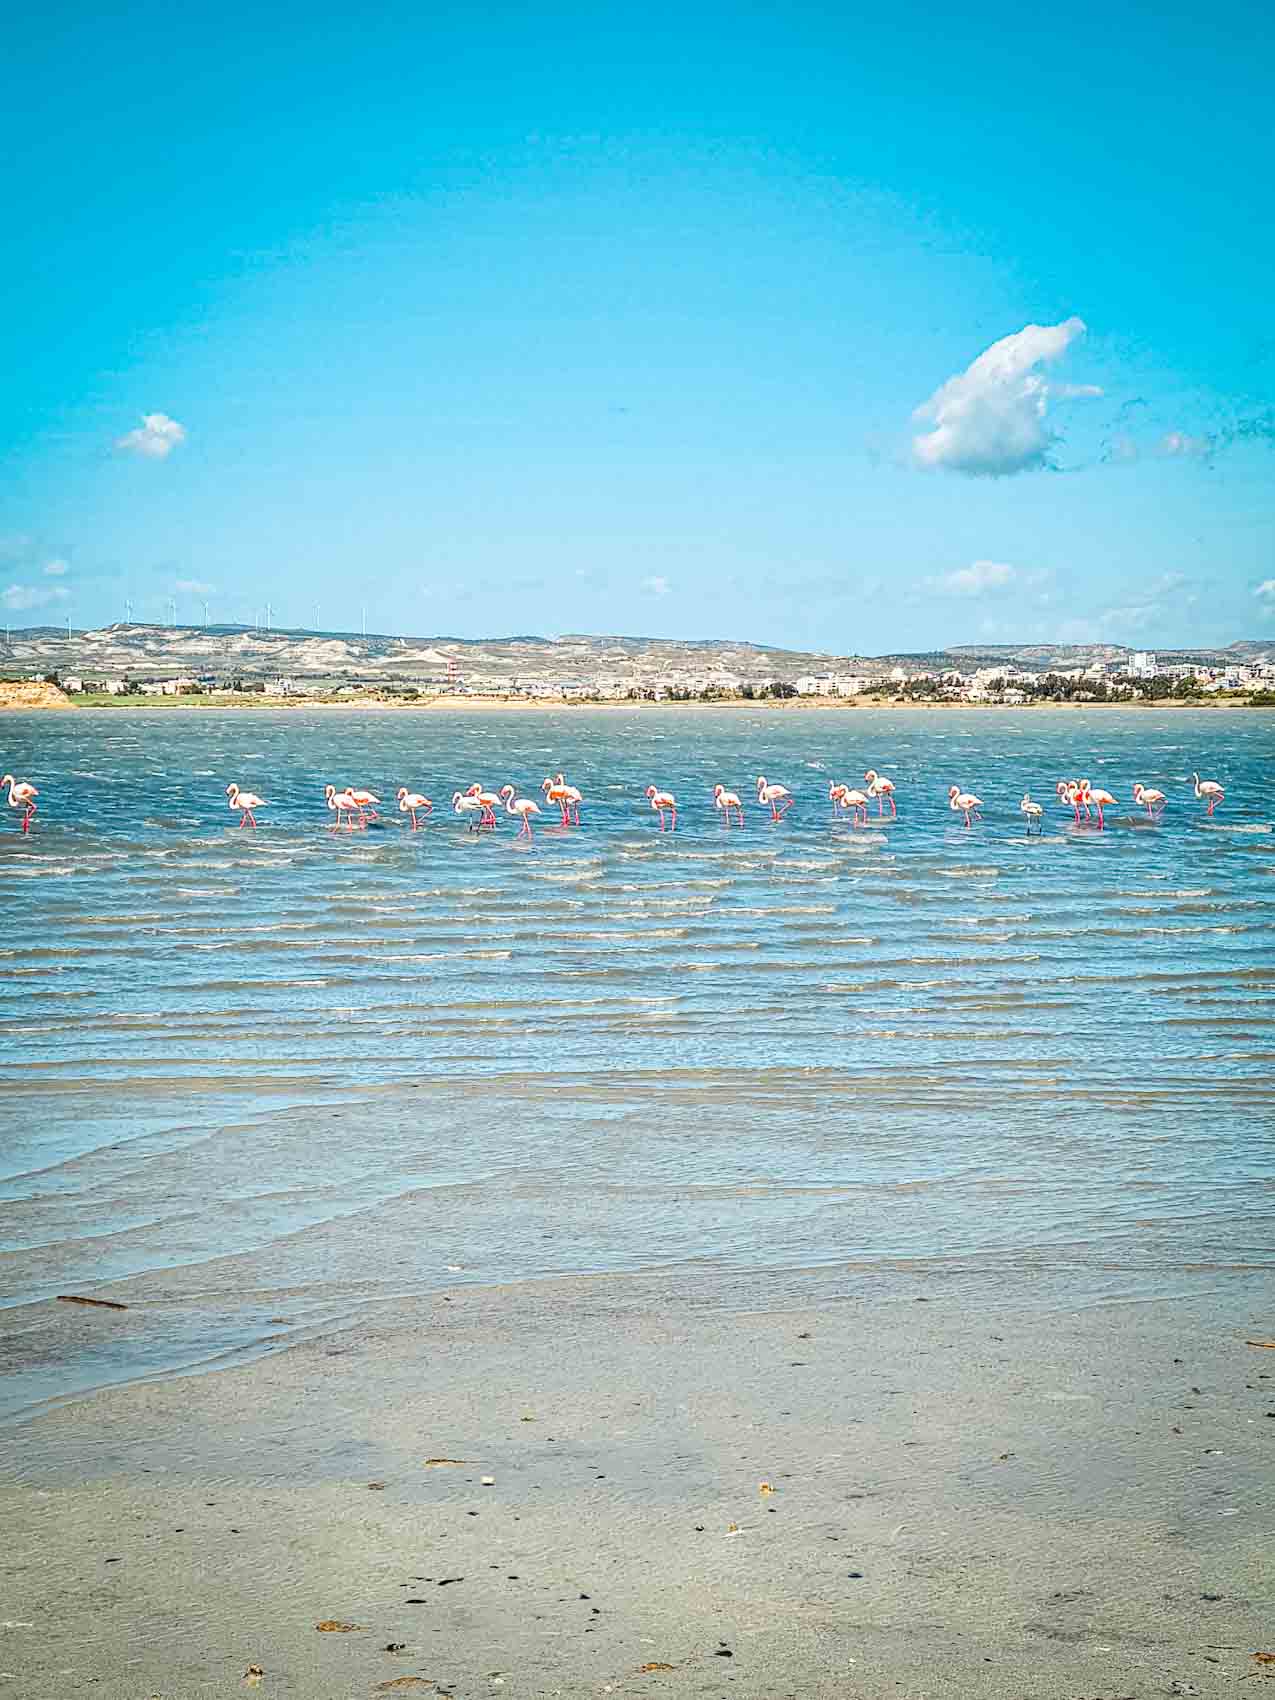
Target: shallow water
299, 1071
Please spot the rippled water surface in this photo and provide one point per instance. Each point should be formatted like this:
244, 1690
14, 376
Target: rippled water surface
256, 1081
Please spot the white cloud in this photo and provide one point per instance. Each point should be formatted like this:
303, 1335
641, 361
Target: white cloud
1181, 445
1265, 591
974, 580
990, 420
156, 437
56, 569
656, 586
194, 587
19, 597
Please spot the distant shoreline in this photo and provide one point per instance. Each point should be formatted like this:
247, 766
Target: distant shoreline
453, 705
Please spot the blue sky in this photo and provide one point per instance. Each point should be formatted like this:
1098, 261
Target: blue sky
695, 321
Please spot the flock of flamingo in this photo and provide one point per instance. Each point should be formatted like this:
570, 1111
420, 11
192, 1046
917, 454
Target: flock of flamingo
355, 806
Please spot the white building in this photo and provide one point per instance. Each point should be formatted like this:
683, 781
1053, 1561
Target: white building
1142, 664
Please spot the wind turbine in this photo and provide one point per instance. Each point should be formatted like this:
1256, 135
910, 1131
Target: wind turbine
172, 611
205, 616
128, 609
365, 619
269, 614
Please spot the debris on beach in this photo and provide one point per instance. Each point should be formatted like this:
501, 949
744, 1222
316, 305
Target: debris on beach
733, 1529
395, 1646
487, 1481
375, 1487
1268, 1345
100, 1304
397, 1682
253, 1675
655, 1664
764, 1488
436, 1463
331, 1626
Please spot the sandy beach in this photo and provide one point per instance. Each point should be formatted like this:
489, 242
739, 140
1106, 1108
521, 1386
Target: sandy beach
555, 1489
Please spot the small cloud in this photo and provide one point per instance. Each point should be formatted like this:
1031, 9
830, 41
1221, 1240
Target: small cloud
57, 569
655, 586
194, 587
990, 420
1265, 592
156, 437
20, 597
974, 580
1180, 444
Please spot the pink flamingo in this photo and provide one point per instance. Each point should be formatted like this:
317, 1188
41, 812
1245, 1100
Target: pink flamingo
22, 795
410, 801
882, 789
964, 803
344, 805
779, 797
1154, 800
1209, 788
465, 803
1033, 811
523, 806
490, 801
726, 801
566, 797
1069, 792
843, 797
660, 801
245, 802
365, 802
1099, 798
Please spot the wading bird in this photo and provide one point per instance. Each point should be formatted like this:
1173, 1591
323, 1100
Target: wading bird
464, 803
566, 797
779, 797
1099, 798
964, 803
523, 806
882, 789
410, 802
365, 802
726, 801
662, 801
245, 802
1208, 788
852, 801
1033, 811
489, 801
22, 795
1153, 800
342, 803
1069, 792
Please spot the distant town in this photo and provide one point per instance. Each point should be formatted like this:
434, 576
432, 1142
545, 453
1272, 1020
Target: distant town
128, 661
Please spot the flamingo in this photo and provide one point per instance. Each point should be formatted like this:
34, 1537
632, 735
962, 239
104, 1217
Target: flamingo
1069, 792
1203, 788
410, 801
882, 789
726, 801
245, 802
490, 801
1033, 811
566, 797
845, 798
365, 802
344, 804
779, 797
22, 795
523, 806
660, 801
465, 803
964, 803
1154, 800
1098, 797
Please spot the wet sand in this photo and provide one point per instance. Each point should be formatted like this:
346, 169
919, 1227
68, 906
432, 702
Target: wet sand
966, 1501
